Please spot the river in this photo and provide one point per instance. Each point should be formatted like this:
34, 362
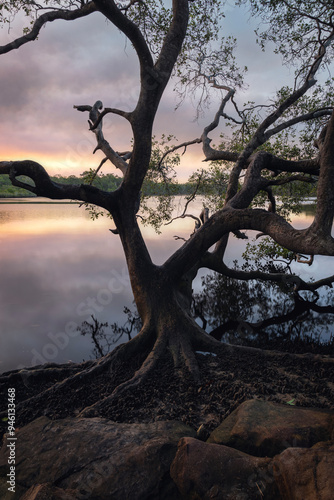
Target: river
58, 267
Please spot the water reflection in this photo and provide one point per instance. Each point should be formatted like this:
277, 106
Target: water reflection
43, 218
58, 267
265, 314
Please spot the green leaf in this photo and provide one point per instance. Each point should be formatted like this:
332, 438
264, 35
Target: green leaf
291, 402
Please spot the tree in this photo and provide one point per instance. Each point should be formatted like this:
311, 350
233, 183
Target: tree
182, 41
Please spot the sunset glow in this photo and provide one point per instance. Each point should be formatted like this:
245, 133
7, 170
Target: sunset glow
79, 63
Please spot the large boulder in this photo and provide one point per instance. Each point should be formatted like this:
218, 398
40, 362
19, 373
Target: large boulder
263, 428
306, 473
96, 457
205, 471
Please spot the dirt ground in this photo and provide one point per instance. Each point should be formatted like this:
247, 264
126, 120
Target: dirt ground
228, 379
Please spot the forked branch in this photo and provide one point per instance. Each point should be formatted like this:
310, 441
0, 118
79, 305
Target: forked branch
102, 144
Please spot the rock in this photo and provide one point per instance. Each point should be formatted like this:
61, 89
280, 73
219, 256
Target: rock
98, 458
204, 471
47, 492
5, 494
202, 433
306, 473
262, 428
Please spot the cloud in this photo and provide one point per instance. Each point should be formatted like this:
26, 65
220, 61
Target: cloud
71, 63
87, 60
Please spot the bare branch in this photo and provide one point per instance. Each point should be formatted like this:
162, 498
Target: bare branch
67, 15
271, 198
299, 119
302, 259
292, 178
210, 153
323, 220
102, 143
262, 134
184, 216
189, 200
115, 111
305, 14
175, 148
97, 171
174, 38
318, 59
154, 79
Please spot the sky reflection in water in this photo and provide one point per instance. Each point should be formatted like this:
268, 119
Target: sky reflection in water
58, 267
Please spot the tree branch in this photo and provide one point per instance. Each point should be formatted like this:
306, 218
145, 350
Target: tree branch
115, 111
210, 153
319, 57
153, 83
129, 28
262, 134
174, 38
189, 200
277, 165
102, 143
298, 119
44, 186
183, 145
323, 220
67, 15
227, 220
286, 180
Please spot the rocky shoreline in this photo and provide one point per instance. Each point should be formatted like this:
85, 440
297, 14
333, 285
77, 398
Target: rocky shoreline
258, 426
262, 450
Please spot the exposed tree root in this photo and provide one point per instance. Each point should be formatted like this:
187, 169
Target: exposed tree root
135, 381
42, 371
183, 354
69, 374
65, 380
156, 341
206, 343
183, 350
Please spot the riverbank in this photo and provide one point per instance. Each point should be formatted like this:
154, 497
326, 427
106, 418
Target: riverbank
145, 424
227, 381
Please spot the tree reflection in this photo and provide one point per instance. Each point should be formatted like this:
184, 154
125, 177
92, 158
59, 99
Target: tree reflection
104, 341
270, 315
266, 315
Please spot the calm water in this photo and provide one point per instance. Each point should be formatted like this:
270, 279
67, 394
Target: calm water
58, 267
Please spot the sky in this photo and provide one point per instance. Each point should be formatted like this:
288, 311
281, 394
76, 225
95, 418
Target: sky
83, 61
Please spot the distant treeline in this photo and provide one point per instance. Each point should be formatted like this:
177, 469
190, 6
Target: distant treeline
110, 182
107, 182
